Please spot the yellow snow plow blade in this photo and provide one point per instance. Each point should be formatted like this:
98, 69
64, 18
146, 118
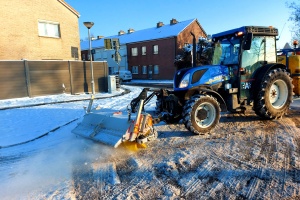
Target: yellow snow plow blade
132, 146
109, 130
116, 128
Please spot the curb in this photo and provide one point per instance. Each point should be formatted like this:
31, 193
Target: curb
67, 101
43, 135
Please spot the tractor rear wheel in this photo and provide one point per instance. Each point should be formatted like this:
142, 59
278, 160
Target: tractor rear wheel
201, 114
275, 95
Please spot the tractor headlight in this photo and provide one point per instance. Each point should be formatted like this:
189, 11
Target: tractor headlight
185, 81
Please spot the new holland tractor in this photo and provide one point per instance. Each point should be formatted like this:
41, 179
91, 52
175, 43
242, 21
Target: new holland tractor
244, 73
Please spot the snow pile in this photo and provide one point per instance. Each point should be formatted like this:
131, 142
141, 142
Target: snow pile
61, 98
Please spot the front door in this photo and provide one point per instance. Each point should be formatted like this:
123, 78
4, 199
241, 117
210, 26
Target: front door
262, 51
150, 71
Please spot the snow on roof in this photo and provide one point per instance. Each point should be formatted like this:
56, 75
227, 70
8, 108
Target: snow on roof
142, 35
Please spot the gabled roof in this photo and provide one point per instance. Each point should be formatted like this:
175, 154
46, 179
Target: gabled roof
69, 7
154, 33
287, 46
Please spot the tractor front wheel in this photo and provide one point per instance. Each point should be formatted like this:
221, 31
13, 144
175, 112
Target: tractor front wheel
201, 114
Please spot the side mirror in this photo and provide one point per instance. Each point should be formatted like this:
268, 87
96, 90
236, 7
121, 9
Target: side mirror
247, 41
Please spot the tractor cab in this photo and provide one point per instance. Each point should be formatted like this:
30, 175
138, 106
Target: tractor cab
244, 50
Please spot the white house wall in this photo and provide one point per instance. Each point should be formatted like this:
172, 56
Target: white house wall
102, 54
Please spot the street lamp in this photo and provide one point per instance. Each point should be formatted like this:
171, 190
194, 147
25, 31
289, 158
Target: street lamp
90, 25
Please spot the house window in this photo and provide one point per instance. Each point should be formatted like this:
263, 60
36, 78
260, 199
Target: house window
143, 50
49, 29
156, 69
144, 69
155, 49
104, 55
135, 70
134, 51
83, 56
74, 52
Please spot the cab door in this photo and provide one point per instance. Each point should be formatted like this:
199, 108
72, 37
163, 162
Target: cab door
262, 52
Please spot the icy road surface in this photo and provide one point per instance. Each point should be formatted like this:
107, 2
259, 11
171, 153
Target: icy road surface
245, 157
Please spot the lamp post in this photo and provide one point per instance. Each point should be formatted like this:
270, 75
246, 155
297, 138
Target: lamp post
90, 25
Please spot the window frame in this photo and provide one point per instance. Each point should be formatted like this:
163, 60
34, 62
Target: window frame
144, 50
45, 29
155, 49
135, 69
74, 52
104, 55
144, 69
155, 69
134, 53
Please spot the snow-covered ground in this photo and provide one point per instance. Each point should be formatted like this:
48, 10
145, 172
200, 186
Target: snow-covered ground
244, 158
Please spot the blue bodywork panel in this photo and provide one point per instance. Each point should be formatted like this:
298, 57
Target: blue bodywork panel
211, 75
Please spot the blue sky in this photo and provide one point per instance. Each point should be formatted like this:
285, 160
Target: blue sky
214, 15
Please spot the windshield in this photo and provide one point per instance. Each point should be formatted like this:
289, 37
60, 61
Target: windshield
226, 52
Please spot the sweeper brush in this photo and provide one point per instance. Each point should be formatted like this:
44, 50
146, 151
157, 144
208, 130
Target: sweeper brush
116, 129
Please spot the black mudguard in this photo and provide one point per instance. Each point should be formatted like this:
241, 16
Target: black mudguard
199, 90
260, 73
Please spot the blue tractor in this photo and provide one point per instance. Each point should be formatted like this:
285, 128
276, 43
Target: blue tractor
244, 73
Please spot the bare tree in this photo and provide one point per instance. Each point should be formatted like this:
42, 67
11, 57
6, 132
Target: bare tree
203, 54
295, 18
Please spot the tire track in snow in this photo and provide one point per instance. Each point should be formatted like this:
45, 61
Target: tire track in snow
194, 182
248, 157
289, 166
140, 169
268, 147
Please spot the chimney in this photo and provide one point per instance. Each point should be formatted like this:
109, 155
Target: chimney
173, 21
131, 30
99, 37
121, 32
159, 24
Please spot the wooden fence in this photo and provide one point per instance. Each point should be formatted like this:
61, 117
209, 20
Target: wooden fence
37, 78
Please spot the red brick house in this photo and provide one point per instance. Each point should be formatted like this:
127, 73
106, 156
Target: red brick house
153, 53
148, 53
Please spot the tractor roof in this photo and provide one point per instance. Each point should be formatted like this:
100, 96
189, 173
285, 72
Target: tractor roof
256, 30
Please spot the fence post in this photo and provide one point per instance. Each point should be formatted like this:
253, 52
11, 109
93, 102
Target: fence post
71, 77
27, 78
